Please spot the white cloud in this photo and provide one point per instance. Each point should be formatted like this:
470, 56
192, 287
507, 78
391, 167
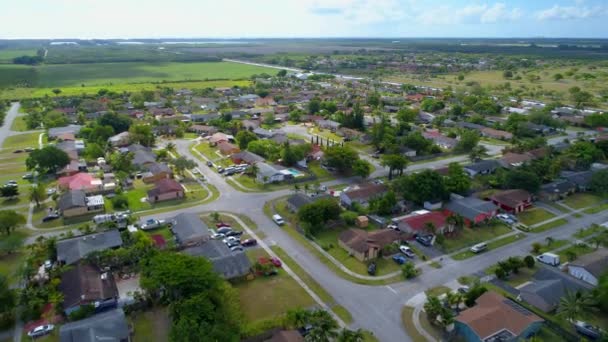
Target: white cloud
360, 11
558, 12
483, 13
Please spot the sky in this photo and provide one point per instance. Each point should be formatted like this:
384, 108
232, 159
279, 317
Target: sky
302, 18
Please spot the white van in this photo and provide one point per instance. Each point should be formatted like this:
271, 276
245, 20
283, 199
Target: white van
549, 259
480, 247
278, 219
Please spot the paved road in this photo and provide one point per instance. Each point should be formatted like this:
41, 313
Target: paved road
12, 113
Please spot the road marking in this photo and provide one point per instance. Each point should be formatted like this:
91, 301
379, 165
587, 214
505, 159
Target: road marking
391, 289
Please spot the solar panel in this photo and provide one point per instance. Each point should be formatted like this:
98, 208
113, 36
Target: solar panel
518, 307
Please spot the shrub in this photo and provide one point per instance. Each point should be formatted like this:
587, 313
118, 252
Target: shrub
83, 312
500, 273
349, 217
473, 294
120, 202
536, 247
529, 261
440, 239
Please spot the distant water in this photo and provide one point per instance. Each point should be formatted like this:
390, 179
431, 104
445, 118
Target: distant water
223, 42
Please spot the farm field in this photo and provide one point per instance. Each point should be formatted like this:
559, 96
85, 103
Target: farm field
105, 74
7, 55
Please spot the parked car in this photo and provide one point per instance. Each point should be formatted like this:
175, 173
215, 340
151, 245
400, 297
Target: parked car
48, 264
407, 251
463, 289
249, 242
371, 269
231, 244
505, 218
587, 330
224, 230
278, 219
209, 163
217, 236
51, 191
237, 248
41, 330
276, 262
235, 233
400, 259
28, 175
549, 259
425, 240
28, 149
152, 224
221, 224
18, 151
50, 217
478, 248
220, 169
392, 226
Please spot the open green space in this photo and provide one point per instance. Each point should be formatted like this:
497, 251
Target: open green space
408, 323
108, 74
437, 291
582, 200
151, 325
470, 236
549, 225
325, 133
597, 209
344, 315
546, 247
574, 252
19, 124
7, 55
524, 274
491, 245
22, 141
10, 265
585, 232
534, 215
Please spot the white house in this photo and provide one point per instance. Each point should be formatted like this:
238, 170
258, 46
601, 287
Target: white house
588, 268
270, 174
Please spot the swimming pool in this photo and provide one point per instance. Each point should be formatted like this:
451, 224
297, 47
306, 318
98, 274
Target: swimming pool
295, 173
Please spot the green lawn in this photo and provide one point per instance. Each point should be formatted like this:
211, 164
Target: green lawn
19, 124
21, 141
10, 264
468, 237
583, 233
437, 291
325, 133
524, 275
534, 215
107, 74
343, 314
322, 174
549, 225
578, 250
408, 323
597, 209
150, 325
554, 245
582, 200
492, 245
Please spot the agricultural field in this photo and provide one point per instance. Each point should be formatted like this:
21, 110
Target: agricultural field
7, 55
74, 75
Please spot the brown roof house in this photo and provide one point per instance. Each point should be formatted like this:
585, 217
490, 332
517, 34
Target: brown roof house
496, 134
365, 245
588, 268
510, 160
362, 194
227, 148
84, 284
165, 189
513, 201
496, 318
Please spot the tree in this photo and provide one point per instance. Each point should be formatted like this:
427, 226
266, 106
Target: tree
558, 77
8, 298
37, 194
520, 179
601, 292
427, 185
433, 308
575, 305
362, 168
314, 214
49, 159
394, 162
477, 153
56, 91
120, 123
580, 97
599, 182
529, 261
468, 141
324, 327
351, 336
93, 151
10, 220
507, 74
282, 73
243, 138
122, 162
142, 134
341, 158
54, 119
407, 115
474, 292
314, 105
170, 147
457, 180
373, 99
181, 164
583, 154
431, 105
409, 270
9, 191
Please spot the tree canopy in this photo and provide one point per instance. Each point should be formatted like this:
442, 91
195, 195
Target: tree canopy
49, 159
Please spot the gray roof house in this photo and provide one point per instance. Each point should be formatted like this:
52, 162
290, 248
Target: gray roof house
296, 201
72, 199
547, 287
108, 326
472, 208
189, 229
581, 179
328, 124
72, 250
590, 267
269, 173
225, 262
57, 131
141, 155
481, 167
204, 117
247, 157
263, 133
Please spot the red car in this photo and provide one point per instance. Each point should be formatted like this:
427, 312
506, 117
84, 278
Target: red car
276, 262
249, 242
221, 224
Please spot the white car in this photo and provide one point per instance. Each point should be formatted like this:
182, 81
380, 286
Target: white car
41, 330
480, 247
278, 219
393, 226
231, 239
217, 236
152, 224
407, 251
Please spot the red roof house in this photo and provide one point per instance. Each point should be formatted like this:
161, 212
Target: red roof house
79, 181
418, 223
513, 201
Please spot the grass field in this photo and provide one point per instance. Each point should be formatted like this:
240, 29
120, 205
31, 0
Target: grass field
7, 55
468, 237
549, 225
582, 200
19, 124
534, 216
105, 74
491, 245
150, 325
22, 140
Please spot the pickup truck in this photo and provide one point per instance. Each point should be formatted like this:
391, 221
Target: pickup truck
152, 224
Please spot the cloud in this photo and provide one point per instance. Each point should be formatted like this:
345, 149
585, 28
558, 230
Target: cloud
472, 14
558, 12
360, 11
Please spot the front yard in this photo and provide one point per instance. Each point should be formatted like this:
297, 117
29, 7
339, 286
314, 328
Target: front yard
470, 236
136, 197
534, 215
582, 200
491, 245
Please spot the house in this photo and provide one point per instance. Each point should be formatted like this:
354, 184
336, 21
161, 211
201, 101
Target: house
556, 190
582, 179
189, 229
496, 134
246, 157
70, 251
55, 132
408, 152
590, 267
217, 138
204, 117
328, 124
470, 125
120, 139
295, 202
75, 203
202, 129
85, 284
265, 101
165, 189
227, 148
496, 318
365, 245
270, 174
251, 124
108, 326
548, 286
513, 201
362, 194
141, 155
510, 160
156, 172
440, 139
472, 209
80, 181
482, 167
226, 263
419, 222
263, 133
539, 129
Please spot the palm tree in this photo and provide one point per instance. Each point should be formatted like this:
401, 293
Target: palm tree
576, 305
37, 194
306, 188
170, 147
433, 308
253, 170
430, 227
478, 152
296, 188
297, 318
350, 336
597, 241
549, 240
324, 327
454, 299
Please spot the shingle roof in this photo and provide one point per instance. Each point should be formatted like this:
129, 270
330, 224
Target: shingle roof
57, 131
141, 154
361, 240
559, 186
419, 222
268, 170
164, 186
74, 249
579, 178
72, 199
298, 200
225, 262
470, 207
595, 263
188, 226
483, 165
104, 327
156, 168
366, 191
83, 284
248, 157
512, 197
